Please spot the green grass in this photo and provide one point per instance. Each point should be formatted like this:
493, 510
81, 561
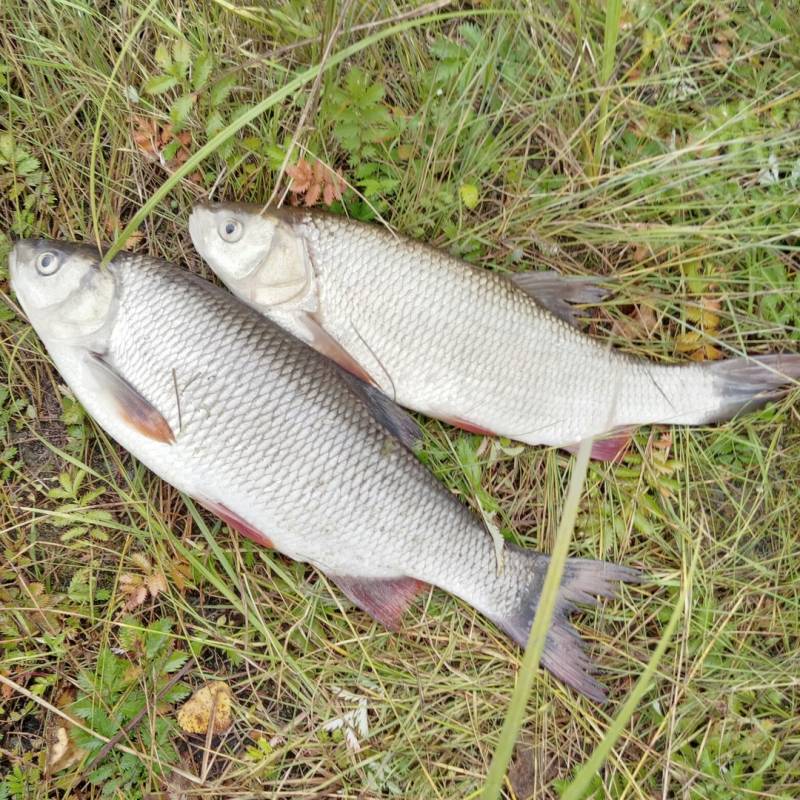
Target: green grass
655, 144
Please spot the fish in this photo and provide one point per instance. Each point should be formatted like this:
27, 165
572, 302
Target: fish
285, 446
490, 353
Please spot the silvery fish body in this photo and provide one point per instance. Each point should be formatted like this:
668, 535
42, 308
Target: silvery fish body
279, 441
466, 345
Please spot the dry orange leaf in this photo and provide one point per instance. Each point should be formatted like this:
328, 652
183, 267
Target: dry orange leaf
209, 706
694, 343
313, 182
146, 136
151, 138
138, 587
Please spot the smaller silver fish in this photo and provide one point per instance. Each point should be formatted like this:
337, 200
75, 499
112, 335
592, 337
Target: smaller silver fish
483, 351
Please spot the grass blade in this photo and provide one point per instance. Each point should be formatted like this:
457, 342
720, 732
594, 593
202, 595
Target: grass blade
129, 40
248, 116
577, 788
610, 35
541, 624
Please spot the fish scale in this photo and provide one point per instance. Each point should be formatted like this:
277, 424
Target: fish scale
488, 352
483, 313
285, 445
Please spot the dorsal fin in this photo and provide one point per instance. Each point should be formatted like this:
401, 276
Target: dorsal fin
557, 293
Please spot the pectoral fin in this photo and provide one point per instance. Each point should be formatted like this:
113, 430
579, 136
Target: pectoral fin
384, 599
135, 410
324, 343
385, 411
557, 293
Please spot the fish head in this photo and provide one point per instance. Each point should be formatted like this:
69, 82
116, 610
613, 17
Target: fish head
63, 290
256, 253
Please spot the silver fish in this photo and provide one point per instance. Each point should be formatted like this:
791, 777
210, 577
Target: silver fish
281, 443
480, 350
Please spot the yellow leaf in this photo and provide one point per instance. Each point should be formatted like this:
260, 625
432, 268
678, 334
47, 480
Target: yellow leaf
209, 706
687, 342
469, 195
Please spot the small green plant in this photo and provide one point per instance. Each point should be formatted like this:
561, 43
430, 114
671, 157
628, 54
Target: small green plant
83, 586
23, 183
73, 416
368, 132
188, 76
20, 782
363, 120
113, 696
9, 409
76, 515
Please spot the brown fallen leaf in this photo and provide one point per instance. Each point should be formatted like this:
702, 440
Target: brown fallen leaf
137, 587
62, 752
113, 227
697, 346
706, 314
641, 324
209, 706
146, 136
151, 139
312, 181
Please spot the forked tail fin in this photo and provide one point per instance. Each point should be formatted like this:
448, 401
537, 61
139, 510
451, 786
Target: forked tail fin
748, 383
581, 583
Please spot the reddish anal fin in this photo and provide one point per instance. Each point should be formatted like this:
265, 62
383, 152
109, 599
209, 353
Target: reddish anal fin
611, 448
324, 343
135, 410
384, 599
237, 523
465, 425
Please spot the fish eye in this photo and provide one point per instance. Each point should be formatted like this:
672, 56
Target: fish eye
231, 230
47, 263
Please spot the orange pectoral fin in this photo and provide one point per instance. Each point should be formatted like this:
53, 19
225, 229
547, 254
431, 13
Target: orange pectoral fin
232, 519
134, 409
324, 343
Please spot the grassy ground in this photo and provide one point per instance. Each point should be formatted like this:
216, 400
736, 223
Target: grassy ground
659, 144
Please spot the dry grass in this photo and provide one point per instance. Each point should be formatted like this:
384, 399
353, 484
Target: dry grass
680, 180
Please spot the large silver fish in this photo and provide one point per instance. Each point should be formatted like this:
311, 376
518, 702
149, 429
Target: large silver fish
469, 346
280, 442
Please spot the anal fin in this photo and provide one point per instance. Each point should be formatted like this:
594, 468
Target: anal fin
384, 599
611, 448
468, 426
134, 409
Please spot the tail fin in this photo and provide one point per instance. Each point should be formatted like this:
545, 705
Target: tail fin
563, 653
748, 383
